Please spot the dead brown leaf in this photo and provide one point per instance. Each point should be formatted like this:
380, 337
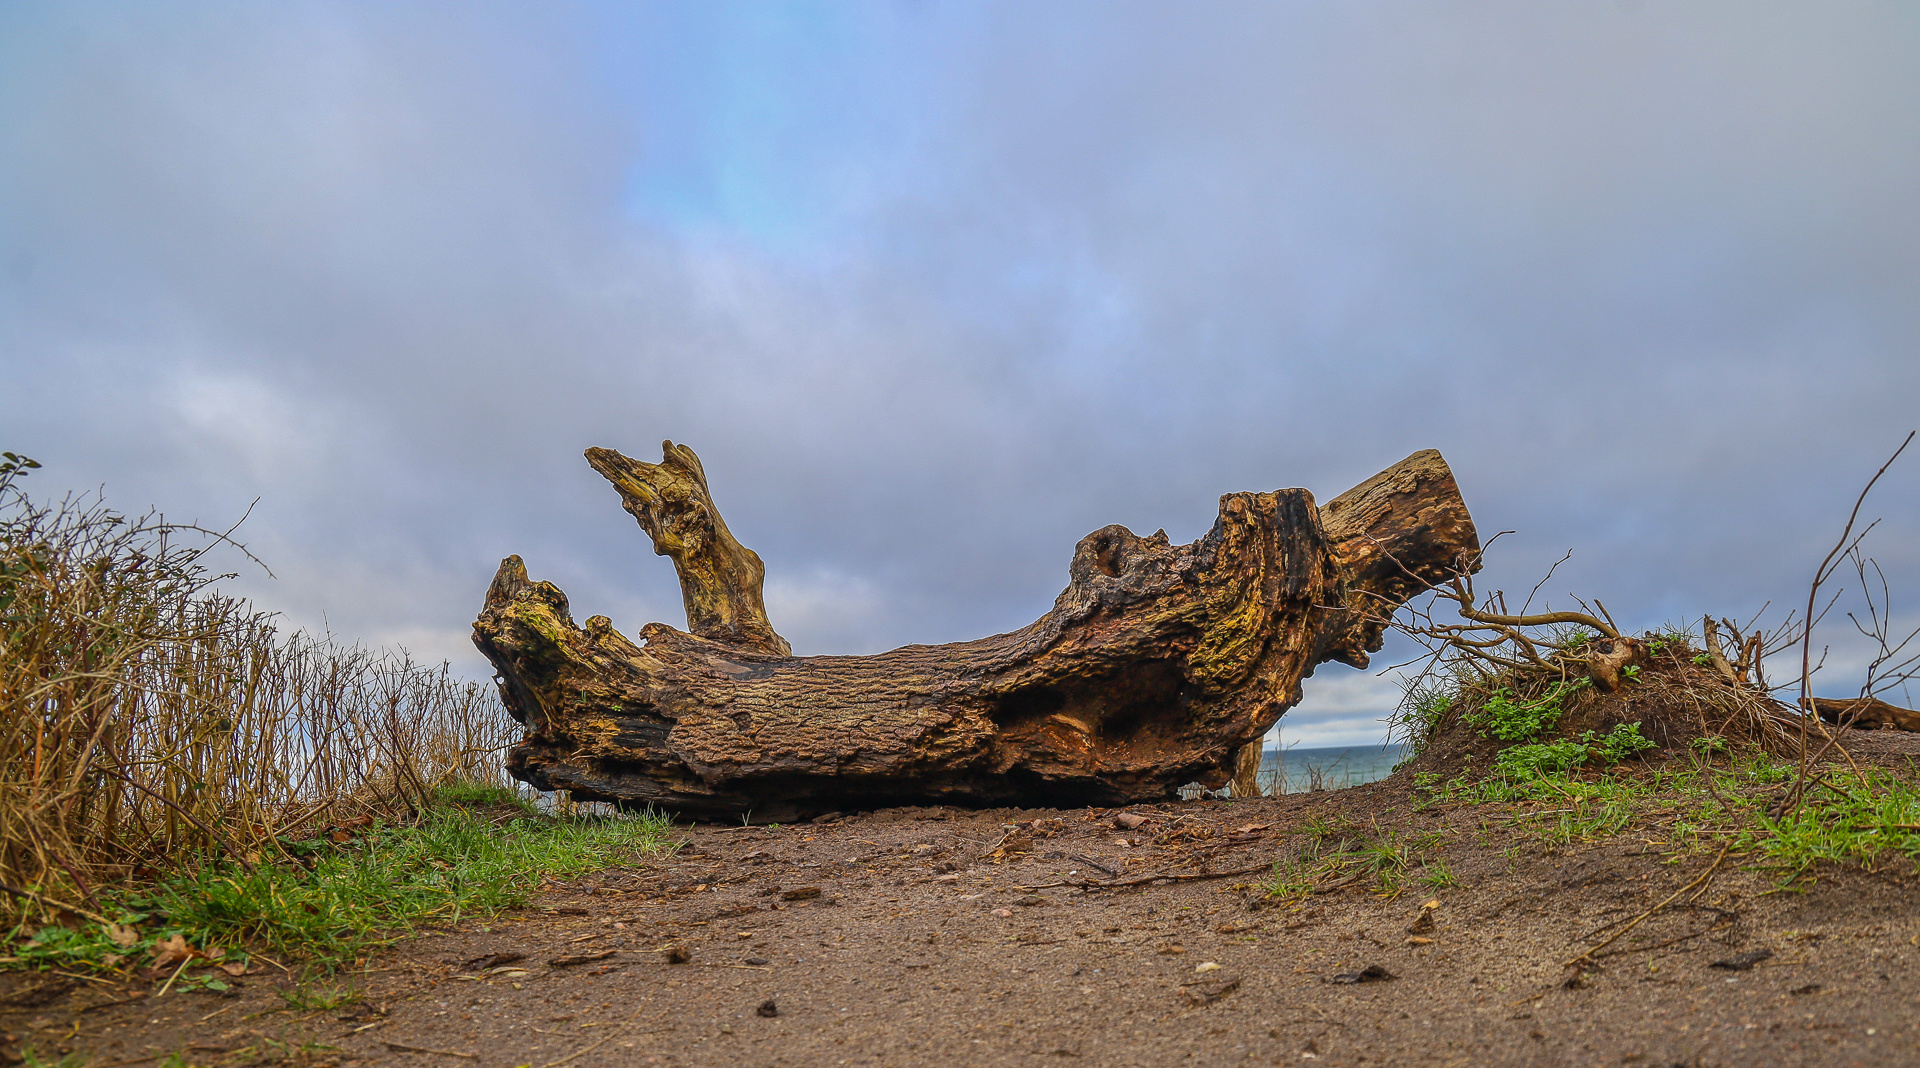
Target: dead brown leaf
173, 951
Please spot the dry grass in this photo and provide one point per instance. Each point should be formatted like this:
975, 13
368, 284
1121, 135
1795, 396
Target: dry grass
1274, 783
148, 722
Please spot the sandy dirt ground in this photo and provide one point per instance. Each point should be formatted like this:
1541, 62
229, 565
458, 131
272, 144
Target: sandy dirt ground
944, 937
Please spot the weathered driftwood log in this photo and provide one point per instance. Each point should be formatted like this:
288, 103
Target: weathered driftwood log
1866, 713
1158, 666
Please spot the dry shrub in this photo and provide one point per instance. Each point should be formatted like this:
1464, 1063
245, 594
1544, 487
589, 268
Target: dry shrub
149, 722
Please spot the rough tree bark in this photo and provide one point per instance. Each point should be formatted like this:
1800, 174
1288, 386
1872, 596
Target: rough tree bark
1159, 665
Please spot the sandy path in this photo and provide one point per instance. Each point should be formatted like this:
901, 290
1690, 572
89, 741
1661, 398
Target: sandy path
904, 959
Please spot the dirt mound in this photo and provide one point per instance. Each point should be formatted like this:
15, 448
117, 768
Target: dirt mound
1673, 697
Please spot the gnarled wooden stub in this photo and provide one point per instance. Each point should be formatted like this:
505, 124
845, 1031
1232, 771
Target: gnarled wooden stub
720, 579
1158, 666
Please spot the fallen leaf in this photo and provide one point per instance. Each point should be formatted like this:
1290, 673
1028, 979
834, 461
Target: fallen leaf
122, 936
800, 893
173, 950
1416, 940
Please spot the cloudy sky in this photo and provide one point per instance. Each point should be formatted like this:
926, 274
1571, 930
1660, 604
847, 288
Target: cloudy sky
937, 288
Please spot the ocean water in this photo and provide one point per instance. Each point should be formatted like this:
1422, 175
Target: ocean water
1297, 768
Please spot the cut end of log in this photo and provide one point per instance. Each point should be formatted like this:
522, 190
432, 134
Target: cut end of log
1394, 536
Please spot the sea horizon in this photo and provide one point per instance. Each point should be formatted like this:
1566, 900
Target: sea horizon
1302, 768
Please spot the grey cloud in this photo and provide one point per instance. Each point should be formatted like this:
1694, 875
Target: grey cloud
1644, 274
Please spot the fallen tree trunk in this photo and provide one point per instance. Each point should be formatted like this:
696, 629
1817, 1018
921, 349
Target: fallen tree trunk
1160, 664
1866, 714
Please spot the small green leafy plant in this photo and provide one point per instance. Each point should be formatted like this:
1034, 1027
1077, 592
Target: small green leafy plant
1503, 717
1544, 758
1575, 640
1708, 745
1555, 758
1670, 634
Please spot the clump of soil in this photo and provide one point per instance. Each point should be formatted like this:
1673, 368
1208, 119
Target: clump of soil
1671, 695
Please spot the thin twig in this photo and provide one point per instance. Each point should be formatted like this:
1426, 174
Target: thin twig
404, 1048
171, 978
1820, 576
1144, 879
1637, 920
1663, 945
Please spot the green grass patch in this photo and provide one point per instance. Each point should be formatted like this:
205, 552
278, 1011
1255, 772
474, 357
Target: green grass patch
1383, 862
1870, 819
476, 852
